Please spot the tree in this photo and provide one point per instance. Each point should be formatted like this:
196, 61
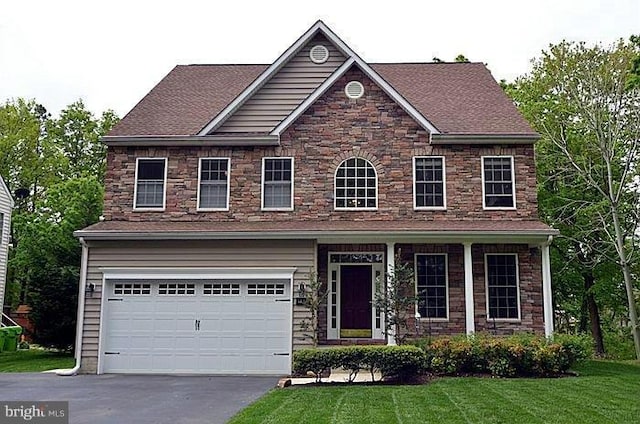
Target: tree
461, 59
397, 300
48, 256
586, 106
315, 295
76, 135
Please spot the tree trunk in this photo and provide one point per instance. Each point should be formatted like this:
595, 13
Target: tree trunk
628, 283
594, 314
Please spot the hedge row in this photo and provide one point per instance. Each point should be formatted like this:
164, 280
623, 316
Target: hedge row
391, 361
522, 355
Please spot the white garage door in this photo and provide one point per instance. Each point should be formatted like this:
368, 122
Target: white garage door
191, 326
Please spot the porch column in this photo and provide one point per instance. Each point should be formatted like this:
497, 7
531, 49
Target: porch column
391, 254
468, 290
546, 289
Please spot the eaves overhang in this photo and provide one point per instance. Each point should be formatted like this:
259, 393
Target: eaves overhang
466, 139
192, 140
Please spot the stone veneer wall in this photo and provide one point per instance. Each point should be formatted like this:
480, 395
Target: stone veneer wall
331, 130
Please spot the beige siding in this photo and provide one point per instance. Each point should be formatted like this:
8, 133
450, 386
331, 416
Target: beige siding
284, 91
5, 231
183, 254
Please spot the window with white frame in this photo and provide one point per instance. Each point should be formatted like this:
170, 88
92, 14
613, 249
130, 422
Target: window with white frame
502, 286
498, 182
429, 182
431, 285
277, 183
214, 183
151, 175
356, 185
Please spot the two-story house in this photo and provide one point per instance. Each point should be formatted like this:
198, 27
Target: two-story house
227, 186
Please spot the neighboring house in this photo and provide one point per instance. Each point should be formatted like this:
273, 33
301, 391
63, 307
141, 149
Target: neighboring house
6, 206
227, 185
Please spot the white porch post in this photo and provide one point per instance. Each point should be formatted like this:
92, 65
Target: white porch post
391, 337
546, 289
468, 290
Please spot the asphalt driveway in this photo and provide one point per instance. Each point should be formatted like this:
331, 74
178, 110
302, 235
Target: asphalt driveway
140, 399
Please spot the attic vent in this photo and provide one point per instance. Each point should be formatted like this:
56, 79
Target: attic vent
319, 54
354, 90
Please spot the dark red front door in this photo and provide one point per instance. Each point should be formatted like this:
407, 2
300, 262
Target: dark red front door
355, 300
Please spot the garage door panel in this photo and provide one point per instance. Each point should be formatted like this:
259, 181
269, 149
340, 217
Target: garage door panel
238, 332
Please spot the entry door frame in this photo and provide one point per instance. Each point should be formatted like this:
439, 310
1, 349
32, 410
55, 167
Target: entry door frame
334, 295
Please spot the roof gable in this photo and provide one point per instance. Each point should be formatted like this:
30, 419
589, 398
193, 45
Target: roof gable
318, 28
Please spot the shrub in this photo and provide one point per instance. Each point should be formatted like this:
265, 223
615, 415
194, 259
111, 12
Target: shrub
401, 362
518, 355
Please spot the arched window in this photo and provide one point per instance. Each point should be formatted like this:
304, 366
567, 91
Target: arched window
356, 185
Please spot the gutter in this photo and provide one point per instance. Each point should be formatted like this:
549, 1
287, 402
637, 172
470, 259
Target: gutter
80, 318
192, 140
484, 138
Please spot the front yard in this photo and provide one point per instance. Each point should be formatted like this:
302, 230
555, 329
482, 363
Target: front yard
34, 360
605, 392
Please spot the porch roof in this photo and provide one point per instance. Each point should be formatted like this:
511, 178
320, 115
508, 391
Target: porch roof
479, 231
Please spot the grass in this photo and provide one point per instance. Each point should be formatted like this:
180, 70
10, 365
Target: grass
34, 360
605, 392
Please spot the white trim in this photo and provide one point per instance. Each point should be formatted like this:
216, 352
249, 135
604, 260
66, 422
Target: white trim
390, 259
226, 208
4, 187
513, 184
196, 273
290, 208
547, 292
164, 187
302, 107
486, 288
446, 274
444, 186
335, 187
469, 306
103, 323
292, 51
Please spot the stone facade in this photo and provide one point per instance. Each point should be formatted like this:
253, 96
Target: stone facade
331, 130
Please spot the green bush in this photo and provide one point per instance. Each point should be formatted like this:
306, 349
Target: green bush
518, 355
401, 362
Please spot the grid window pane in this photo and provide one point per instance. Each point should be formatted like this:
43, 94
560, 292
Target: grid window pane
356, 184
502, 286
214, 180
278, 175
150, 184
498, 182
429, 184
431, 274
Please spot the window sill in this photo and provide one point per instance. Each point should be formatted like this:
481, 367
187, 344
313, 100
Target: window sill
489, 208
514, 320
277, 209
426, 320
429, 208
212, 210
355, 209
149, 209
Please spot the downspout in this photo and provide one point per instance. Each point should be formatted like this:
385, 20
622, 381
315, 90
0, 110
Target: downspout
80, 318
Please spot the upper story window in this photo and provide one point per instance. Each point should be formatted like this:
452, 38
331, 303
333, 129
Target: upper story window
151, 178
429, 186
503, 300
277, 183
431, 285
213, 187
1, 226
356, 185
498, 182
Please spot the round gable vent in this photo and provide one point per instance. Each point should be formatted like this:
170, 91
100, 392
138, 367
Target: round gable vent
354, 89
319, 54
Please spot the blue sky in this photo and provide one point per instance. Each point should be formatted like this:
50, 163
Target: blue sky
111, 53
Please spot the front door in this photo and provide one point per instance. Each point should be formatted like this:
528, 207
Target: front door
355, 300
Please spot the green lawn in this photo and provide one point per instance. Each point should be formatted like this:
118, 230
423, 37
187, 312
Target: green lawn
605, 392
34, 360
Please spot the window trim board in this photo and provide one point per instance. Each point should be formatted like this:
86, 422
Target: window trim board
290, 208
513, 184
446, 270
164, 187
226, 208
335, 187
486, 287
444, 185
